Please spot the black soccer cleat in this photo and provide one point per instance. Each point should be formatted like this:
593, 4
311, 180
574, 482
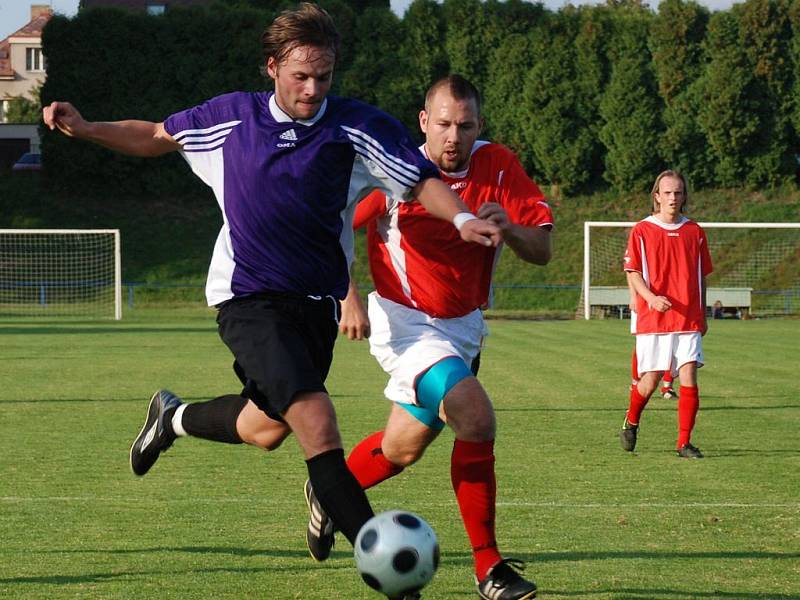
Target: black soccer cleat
627, 436
320, 536
669, 394
502, 582
689, 451
155, 437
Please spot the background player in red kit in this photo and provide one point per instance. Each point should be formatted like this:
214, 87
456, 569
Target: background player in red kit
667, 261
426, 324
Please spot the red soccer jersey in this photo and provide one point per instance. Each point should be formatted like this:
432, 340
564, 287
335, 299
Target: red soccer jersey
673, 260
421, 262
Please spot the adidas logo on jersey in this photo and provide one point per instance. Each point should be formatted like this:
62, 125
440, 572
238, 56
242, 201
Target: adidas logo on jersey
289, 135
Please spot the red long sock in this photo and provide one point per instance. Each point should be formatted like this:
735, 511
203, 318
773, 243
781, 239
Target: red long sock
368, 463
636, 406
472, 475
667, 378
688, 405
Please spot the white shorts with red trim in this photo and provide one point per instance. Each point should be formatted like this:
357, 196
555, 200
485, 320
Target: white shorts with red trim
407, 342
668, 351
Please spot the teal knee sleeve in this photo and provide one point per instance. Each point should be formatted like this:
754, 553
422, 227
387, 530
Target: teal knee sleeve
433, 386
423, 415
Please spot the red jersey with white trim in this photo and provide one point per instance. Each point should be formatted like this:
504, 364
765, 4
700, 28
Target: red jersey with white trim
421, 262
673, 259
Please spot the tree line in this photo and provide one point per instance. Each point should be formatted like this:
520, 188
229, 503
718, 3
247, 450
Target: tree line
590, 97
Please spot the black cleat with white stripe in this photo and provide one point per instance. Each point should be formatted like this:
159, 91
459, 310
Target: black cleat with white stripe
320, 535
156, 435
502, 582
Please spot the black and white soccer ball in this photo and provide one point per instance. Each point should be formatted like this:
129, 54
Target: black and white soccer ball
396, 553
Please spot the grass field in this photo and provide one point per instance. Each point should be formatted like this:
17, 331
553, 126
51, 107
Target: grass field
218, 521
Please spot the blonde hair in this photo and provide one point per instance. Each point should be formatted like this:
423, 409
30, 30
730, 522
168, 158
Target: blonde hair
675, 175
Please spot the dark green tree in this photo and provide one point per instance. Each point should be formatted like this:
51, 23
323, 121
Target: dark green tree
422, 53
592, 71
503, 104
557, 131
765, 35
676, 43
794, 18
466, 39
630, 108
730, 101
377, 73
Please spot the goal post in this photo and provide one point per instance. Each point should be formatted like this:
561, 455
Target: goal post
756, 267
61, 272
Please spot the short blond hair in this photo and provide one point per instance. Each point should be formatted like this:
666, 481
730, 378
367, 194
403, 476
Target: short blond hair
657, 182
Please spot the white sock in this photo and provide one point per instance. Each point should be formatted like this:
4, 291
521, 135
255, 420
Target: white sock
177, 421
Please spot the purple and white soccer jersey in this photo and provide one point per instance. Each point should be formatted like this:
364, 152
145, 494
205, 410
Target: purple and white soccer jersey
288, 188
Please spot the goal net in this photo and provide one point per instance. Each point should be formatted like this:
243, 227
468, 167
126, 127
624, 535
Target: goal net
60, 272
756, 269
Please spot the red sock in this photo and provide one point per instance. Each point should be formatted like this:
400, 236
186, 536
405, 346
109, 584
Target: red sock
636, 406
472, 475
688, 404
368, 463
667, 378
634, 367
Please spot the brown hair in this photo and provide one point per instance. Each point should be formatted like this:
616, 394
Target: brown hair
676, 175
459, 87
306, 25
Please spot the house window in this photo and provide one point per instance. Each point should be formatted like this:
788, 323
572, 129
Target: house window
156, 9
34, 59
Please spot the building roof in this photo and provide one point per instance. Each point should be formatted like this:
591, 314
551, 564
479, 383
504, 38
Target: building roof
40, 15
34, 28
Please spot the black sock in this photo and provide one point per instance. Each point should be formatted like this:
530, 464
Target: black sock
214, 420
339, 492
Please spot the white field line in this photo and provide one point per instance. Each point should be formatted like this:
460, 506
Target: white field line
554, 505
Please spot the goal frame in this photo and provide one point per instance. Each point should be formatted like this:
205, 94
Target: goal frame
117, 255
587, 225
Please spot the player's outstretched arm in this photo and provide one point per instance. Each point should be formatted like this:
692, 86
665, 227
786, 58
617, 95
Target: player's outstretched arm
531, 244
442, 202
135, 138
354, 322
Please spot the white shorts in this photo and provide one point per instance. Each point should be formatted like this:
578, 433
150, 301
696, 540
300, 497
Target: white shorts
407, 342
668, 351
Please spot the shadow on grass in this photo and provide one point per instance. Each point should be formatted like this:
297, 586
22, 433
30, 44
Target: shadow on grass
650, 408
452, 558
142, 398
110, 329
663, 594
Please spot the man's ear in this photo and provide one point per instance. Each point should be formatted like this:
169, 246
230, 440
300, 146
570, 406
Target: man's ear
272, 68
423, 121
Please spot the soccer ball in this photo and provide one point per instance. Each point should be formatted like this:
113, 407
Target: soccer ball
396, 553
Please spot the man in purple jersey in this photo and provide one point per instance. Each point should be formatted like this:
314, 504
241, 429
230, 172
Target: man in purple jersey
287, 169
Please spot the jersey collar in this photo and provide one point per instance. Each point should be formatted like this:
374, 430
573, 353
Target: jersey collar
281, 117
670, 226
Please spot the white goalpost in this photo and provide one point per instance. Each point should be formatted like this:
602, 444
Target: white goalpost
60, 272
756, 268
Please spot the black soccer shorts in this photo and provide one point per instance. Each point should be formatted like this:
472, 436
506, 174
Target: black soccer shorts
283, 345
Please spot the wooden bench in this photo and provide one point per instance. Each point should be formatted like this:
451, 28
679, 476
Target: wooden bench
614, 299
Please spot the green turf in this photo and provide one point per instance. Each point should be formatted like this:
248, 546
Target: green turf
218, 521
